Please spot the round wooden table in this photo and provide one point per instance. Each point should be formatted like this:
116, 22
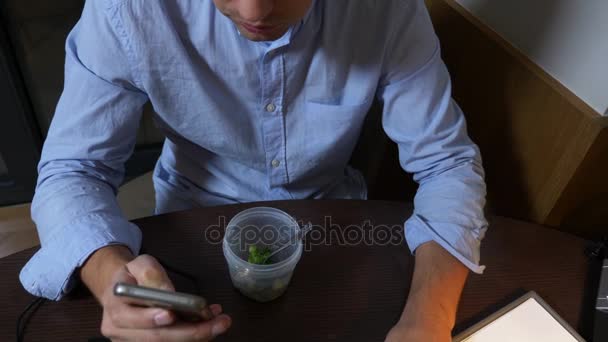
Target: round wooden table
344, 288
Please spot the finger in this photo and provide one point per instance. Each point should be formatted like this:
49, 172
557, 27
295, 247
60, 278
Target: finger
216, 309
204, 331
132, 317
121, 276
149, 272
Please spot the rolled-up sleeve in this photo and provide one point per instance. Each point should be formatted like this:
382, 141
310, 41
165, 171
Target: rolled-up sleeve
91, 136
430, 130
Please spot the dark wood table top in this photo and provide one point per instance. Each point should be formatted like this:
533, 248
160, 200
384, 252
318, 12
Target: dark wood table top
338, 292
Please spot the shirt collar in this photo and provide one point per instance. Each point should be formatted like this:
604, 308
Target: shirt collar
291, 32
309, 13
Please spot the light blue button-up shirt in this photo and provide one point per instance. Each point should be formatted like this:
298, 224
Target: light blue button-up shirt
248, 121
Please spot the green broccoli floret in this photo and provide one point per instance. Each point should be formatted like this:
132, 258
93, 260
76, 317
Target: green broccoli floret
259, 256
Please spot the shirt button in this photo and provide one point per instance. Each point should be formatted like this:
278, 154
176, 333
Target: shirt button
270, 107
276, 163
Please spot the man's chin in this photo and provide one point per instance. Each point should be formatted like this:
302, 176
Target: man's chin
261, 37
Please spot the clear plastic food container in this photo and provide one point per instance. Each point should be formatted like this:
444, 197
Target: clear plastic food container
263, 228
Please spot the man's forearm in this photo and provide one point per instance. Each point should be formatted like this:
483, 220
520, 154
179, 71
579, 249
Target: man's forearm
436, 287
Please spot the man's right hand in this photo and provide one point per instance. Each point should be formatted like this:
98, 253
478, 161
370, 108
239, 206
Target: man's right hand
125, 322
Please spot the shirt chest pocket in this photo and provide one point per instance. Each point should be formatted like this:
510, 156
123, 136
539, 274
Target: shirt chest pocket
328, 129
327, 110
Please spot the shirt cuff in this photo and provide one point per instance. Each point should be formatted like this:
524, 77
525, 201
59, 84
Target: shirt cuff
50, 272
457, 240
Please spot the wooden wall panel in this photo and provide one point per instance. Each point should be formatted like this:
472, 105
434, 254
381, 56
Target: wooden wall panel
540, 143
583, 206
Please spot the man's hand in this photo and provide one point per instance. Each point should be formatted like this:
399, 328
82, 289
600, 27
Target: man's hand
430, 312
125, 322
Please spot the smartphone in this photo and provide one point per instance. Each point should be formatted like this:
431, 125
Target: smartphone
186, 306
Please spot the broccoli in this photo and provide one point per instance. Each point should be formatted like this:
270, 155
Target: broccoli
259, 256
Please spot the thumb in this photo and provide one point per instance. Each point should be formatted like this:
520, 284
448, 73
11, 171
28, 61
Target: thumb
124, 276
148, 272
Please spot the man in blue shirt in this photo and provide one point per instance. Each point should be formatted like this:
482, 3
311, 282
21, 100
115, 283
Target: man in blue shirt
259, 100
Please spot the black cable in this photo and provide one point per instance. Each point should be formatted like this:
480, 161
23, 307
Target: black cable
25, 316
